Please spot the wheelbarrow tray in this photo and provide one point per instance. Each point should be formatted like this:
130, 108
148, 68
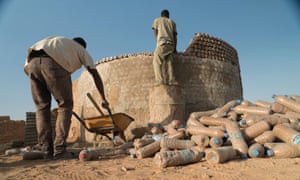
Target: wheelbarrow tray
97, 123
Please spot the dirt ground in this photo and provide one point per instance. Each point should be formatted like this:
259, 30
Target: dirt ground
125, 167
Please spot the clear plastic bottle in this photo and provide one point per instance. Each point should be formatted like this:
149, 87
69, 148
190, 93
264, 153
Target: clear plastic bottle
240, 109
148, 150
256, 150
33, 155
263, 103
221, 154
193, 122
198, 115
237, 140
174, 158
273, 119
215, 142
172, 143
200, 140
288, 102
222, 111
194, 130
286, 133
212, 121
255, 130
266, 137
282, 150
279, 108
250, 119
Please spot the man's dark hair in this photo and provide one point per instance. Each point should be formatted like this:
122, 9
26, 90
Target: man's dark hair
81, 41
165, 13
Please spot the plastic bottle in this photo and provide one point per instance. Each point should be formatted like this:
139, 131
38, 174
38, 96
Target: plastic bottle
178, 135
279, 108
220, 154
247, 103
293, 114
289, 103
286, 134
200, 140
194, 130
265, 137
273, 119
95, 153
148, 150
211, 121
193, 122
138, 143
222, 111
295, 97
240, 109
282, 150
14, 151
171, 143
33, 155
255, 130
256, 150
198, 115
263, 103
237, 140
215, 142
249, 119
175, 158
233, 116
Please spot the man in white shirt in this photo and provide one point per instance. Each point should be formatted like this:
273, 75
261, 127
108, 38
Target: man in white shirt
165, 34
49, 65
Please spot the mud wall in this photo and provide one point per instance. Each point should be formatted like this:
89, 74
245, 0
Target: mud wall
11, 131
208, 71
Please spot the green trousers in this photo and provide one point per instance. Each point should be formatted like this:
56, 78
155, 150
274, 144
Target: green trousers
162, 64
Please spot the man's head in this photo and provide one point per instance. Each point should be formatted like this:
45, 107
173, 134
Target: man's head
81, 41
165, 13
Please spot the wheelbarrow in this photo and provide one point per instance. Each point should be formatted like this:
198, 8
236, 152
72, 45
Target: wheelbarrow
114, 124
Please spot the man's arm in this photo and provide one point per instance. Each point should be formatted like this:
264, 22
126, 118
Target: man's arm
99, 85
175, 42
155, 34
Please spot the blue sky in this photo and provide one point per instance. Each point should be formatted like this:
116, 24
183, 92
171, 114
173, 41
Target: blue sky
266, 34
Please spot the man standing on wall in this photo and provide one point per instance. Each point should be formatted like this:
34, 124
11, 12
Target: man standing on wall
49, 65
165, 34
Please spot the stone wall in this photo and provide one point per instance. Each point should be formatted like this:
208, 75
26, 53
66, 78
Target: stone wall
208, 71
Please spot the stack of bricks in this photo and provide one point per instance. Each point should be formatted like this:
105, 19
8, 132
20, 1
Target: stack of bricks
10, 130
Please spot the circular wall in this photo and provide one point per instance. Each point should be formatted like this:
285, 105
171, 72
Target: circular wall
208, 70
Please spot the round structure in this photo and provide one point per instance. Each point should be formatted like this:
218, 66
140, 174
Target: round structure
208, 71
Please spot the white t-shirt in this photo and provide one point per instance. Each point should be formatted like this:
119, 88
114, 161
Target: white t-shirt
66, 52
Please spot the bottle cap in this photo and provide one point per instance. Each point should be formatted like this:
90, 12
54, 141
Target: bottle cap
238, 101
217, 140
244, 156
255, 153
270, 152
243, 122
226, 135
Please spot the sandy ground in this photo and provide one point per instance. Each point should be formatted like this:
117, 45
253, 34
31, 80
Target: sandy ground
125, 167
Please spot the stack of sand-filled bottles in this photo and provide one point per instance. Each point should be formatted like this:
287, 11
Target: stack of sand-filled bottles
240, 129
237, 130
